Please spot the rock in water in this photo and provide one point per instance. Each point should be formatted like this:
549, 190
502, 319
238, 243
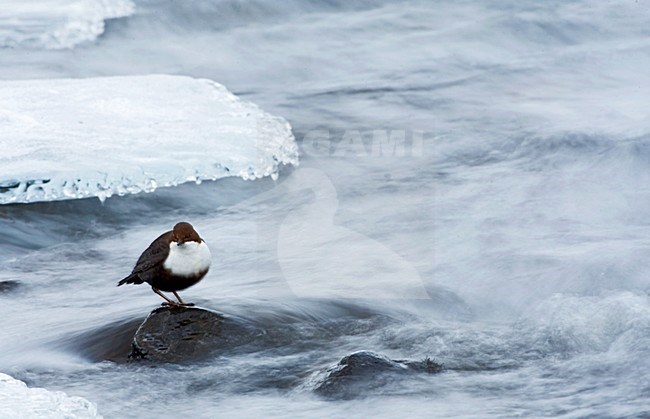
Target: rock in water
178, 334
109, 342
8, 286
364, 371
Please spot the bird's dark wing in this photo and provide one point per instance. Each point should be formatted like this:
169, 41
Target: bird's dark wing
155, 254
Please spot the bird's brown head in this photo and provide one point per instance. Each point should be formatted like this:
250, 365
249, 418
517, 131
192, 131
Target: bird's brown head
184, 232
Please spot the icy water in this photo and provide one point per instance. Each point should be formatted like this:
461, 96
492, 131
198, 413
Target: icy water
506, 237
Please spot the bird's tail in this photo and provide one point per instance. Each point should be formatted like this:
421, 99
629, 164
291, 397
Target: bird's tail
131, 279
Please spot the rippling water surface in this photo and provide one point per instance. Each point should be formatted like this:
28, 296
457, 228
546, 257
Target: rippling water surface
506, 237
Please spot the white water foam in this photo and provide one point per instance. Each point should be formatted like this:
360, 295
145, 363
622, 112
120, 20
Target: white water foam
56, 24
19, 401
96, 137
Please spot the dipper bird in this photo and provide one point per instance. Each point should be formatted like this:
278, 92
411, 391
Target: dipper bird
174, 261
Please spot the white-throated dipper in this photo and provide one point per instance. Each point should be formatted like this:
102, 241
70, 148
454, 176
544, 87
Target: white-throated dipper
174, 261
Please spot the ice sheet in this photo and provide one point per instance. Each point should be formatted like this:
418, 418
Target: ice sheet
19, 401
56, 24
77, 138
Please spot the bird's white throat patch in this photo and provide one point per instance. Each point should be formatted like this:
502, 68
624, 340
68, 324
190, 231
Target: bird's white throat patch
188, 259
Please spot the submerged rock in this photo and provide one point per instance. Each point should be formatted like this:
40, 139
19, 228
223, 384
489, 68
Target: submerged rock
365, 371
9, 286
178, 334
110, 342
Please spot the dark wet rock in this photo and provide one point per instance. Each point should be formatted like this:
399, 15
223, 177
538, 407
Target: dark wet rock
111, 342
9, 286
178, 334
360, 373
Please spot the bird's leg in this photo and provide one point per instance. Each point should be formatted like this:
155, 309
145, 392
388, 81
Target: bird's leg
181, 301
169, 301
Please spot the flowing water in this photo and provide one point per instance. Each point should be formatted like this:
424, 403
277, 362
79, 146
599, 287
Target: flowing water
506, 236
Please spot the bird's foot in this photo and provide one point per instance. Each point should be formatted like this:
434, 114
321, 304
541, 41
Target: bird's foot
187, 304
